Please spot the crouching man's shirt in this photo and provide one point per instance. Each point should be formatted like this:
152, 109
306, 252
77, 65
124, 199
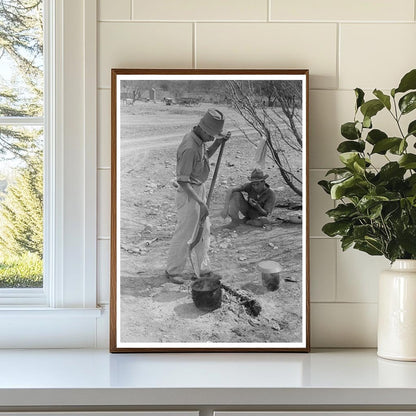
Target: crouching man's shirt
266, 199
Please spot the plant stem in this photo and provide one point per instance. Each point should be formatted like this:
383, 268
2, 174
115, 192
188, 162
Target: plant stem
397, 119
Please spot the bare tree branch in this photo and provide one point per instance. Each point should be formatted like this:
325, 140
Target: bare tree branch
256, 103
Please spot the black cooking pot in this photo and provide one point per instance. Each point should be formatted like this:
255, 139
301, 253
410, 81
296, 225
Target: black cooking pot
207, 294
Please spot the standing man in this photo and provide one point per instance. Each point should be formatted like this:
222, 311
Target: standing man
256, 207
192, 170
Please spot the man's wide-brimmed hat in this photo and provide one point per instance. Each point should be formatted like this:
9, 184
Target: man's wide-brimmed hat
257, 176
212, 122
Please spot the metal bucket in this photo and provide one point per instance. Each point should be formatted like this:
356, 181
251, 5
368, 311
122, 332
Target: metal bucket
207, 294
270, 274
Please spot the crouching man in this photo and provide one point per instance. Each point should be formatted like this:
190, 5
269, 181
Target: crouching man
256, 206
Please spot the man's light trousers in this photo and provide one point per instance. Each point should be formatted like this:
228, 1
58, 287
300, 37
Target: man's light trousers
186, 227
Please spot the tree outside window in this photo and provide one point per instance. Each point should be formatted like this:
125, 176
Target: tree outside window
21, 143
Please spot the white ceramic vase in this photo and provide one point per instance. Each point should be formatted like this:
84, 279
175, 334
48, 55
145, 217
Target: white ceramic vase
397, 312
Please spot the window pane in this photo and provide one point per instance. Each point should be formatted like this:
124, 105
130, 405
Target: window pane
21, 58
21, 146
21, 207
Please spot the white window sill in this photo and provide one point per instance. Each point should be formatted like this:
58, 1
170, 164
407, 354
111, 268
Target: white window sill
40, 327
36, 312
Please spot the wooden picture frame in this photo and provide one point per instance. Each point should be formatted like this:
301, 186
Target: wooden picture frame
255, 296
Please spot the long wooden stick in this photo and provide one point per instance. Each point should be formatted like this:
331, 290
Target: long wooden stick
202, 220
214, 176
211, 190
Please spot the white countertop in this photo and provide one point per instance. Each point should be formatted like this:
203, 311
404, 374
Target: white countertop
96, 377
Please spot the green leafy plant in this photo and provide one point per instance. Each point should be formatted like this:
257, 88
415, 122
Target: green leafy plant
376, 210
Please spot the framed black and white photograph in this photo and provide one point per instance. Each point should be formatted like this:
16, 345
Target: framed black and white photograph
209, 210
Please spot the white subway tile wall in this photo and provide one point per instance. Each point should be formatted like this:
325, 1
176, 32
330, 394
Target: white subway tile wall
328, 109
343, 325
145, 45
375, 55
345, 44
270, 45
114, 10
355, 10
323, 268
201, 10
357, 275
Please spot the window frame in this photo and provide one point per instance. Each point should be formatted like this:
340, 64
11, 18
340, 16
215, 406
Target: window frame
67, 304
37, 296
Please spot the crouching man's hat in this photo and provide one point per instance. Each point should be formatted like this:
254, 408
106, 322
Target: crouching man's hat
257, 176
212, 122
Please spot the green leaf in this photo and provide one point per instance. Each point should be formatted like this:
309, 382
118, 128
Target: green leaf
380, 189
385, 99
411, 130
403, 205
407, 240
368, 248
398, 149
408, 82
359, 94
369, 201
397, 188
367, 122
361, 231
338, 189
371, 108
393, 92
392, 196
411, 184
375, 212
342, 179
408, 102
411, 180
374, 242
338, 171
413, 210
391, 212
412, 202
349, 146
391, 170
374, 136
408, 161
353, 187
359, 166
346, 242
368, 174
393, 250
349, 131
383, 145
342, 211
348, 158
336, 228
325, 186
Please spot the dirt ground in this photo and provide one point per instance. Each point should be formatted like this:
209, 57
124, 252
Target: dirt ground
154, 310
